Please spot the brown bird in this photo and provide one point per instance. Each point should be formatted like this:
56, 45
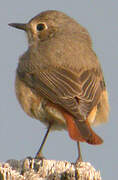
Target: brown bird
59, 80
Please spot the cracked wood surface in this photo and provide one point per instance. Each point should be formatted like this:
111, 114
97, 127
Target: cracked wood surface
35, 169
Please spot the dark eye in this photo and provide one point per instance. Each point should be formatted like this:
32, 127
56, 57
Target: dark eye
40, 27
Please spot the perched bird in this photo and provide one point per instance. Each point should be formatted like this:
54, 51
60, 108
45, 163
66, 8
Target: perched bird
59, 80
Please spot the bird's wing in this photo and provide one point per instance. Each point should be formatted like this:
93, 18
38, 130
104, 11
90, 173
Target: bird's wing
75, 92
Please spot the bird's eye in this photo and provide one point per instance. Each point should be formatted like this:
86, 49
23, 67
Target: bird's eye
41, 27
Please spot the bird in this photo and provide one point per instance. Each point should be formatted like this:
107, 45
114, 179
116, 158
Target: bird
59, 79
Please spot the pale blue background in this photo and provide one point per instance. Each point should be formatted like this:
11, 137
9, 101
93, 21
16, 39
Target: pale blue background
20, 136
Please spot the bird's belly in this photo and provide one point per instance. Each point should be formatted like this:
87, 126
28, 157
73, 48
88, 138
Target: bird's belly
39, 108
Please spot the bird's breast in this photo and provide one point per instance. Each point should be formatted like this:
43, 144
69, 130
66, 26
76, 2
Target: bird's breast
38, 107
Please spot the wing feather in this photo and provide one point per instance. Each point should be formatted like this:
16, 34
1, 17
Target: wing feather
76, 92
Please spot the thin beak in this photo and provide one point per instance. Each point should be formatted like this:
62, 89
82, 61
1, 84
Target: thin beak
18, 26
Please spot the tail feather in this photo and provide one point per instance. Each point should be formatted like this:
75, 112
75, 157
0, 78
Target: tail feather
81, 131
88, 134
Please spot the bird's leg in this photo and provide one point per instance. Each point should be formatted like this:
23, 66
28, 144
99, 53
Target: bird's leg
38, 154
79, 159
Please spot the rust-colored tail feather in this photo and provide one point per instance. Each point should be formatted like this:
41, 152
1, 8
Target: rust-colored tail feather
81, 131
88, 134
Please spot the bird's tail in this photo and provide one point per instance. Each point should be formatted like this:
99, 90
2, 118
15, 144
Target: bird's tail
81, 131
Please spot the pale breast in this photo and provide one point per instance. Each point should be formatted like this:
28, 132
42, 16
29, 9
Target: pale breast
38, 107
100, 112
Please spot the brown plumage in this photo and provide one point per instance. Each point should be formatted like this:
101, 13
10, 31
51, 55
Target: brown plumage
60, 73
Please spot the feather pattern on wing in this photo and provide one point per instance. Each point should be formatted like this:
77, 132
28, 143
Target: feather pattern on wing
75, 92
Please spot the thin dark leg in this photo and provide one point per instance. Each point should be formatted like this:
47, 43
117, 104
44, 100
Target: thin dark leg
79, 152
38, 154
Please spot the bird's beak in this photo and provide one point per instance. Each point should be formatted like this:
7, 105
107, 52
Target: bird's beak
18, 26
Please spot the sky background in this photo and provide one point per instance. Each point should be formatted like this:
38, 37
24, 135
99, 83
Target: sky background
20, 136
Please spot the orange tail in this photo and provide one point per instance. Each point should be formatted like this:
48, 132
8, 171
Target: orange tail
81, 131
88, 134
